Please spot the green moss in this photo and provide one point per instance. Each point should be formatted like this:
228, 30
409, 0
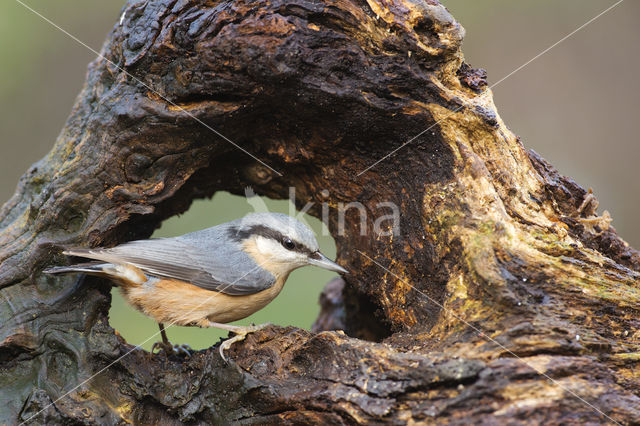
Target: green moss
486, 228
448, 219
629, 356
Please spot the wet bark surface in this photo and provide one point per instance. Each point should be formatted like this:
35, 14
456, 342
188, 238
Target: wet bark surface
504, 297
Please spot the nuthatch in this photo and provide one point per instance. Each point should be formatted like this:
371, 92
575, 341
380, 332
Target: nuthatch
211, 277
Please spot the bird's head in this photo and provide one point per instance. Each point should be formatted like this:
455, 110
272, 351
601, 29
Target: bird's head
280, 243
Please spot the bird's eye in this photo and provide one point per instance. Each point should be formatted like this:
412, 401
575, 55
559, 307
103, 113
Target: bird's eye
288, 244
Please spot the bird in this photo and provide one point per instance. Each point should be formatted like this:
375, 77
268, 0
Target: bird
207, 278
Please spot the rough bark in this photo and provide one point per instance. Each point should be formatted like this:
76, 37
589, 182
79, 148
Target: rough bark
502, 276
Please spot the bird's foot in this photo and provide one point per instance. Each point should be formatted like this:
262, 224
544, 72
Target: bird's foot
169, 349
240, 334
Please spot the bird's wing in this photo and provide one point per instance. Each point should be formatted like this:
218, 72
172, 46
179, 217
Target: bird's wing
218, 267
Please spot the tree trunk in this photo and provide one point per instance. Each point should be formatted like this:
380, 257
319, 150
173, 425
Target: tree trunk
502, 298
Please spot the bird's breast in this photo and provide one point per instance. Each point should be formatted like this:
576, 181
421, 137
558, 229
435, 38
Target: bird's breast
181, 303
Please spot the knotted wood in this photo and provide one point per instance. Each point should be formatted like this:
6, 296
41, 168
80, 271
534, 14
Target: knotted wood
503, 297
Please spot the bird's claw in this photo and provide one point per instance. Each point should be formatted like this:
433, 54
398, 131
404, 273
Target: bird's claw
169, 349
183, 349
240, 334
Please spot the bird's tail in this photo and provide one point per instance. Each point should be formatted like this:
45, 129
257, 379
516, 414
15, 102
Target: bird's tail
123, 276
93, 268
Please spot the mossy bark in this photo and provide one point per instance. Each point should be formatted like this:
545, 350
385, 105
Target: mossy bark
504, 297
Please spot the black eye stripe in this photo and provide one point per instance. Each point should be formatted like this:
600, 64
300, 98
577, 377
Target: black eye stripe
288, 243
238, 234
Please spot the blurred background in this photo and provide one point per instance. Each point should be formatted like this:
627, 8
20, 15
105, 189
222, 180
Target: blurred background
575, 105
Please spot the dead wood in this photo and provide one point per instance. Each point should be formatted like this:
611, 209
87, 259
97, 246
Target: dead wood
505, 298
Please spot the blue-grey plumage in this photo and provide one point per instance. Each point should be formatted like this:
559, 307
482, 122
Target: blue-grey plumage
243, 263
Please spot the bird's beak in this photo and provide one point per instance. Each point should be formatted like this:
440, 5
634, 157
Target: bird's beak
319, 259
